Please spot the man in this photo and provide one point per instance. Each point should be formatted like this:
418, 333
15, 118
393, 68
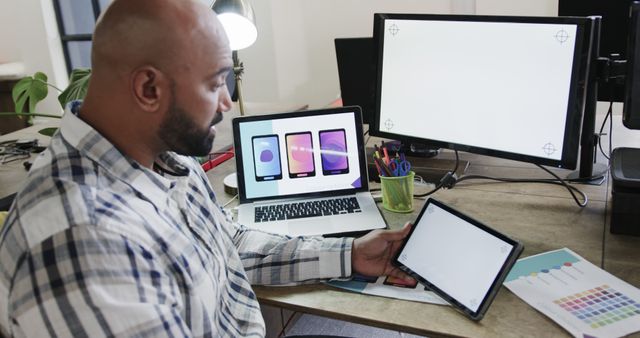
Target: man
115, 234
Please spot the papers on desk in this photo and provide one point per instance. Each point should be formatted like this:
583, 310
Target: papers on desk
584, 299
390, 288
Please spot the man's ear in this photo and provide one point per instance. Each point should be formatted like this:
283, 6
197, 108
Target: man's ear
149, 86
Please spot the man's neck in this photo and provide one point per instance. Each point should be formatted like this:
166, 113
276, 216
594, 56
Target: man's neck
126, 134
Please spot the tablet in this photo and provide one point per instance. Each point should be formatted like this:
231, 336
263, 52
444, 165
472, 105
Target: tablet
460, 259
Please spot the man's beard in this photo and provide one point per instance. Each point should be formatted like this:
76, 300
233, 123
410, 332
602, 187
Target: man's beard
183, 136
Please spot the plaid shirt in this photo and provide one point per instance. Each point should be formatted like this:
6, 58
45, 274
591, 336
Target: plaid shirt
97, 245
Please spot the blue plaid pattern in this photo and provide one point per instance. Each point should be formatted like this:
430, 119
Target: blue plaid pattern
97, 245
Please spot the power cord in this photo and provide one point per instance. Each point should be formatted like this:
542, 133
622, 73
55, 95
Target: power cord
447, 181
557, 181
229, 201
609, 117
285, 325
450, 179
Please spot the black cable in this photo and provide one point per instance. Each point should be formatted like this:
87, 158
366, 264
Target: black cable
448, 180
557, 181
284, 327
571, 189
610, 128
609, 117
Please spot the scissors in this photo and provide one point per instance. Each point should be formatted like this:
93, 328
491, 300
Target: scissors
399, 167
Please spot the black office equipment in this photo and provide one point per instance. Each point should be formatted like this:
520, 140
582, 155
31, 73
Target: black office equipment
509, 87
625, 162
615, 22
631, 112
625, 202
356, 72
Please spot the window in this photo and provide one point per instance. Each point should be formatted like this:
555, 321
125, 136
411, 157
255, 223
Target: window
76, 20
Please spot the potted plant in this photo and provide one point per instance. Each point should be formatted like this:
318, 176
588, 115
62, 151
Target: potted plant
30, 90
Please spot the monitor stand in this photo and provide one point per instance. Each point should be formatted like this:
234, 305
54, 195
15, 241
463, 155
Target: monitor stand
419, 150
597, 176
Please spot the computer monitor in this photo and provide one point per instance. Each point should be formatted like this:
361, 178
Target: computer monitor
509, 87
614, 28
356, 72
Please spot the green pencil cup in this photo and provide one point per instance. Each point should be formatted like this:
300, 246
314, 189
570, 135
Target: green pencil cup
397, 192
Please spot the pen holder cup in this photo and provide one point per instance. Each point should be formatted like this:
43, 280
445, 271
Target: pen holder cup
397, 192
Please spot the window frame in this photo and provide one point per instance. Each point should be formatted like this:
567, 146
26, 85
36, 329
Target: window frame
65, 38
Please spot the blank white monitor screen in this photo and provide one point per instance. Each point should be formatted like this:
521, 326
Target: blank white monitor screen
502, 86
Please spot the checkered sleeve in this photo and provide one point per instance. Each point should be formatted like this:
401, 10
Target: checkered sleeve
271, 259
90, 282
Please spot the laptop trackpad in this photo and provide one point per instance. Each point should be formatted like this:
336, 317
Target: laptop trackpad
311, 226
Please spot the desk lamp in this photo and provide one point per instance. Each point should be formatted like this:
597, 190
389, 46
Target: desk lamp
239, 24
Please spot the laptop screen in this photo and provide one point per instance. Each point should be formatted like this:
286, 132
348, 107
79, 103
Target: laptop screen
301, 153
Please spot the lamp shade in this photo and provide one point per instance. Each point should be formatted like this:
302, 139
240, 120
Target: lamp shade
238, 21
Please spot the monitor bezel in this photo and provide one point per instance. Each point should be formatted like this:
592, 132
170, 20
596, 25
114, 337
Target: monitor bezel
577, 94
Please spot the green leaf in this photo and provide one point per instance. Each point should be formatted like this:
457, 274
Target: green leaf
77, 89
48, 131
31, 90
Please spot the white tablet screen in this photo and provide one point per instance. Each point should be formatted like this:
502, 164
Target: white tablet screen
456, 256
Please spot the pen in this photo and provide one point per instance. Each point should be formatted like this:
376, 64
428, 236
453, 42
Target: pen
385, 170
386, 155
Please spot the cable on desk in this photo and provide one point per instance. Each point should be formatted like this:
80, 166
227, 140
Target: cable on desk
229, 201
447, 181
450, 179
557, 181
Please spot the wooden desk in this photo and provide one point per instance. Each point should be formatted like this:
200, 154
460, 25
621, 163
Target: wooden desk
543, 217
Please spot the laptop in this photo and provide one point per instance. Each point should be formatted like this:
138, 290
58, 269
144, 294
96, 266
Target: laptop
304, 173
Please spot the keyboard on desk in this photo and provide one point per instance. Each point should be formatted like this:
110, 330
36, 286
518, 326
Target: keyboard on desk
325, 207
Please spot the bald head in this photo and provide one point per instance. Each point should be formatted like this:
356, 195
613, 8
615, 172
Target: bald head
161, 66
161, 33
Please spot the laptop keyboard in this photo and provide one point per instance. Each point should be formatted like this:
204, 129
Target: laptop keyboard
280, 212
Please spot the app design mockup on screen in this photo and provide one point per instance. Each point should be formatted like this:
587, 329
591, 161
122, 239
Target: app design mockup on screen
266, 157
300, 155
333, 152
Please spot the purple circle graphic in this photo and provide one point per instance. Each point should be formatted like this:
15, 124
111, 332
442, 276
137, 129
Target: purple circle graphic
266, 156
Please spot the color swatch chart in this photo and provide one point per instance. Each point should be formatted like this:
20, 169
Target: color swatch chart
582, 298
600, 306
551, 268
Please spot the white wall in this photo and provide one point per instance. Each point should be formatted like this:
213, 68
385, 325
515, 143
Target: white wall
293, 60
29, 34
517, 7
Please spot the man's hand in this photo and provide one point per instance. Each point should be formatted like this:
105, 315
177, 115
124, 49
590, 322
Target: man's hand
372, 253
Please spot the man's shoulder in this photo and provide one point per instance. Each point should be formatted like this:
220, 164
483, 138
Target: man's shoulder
62, 190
